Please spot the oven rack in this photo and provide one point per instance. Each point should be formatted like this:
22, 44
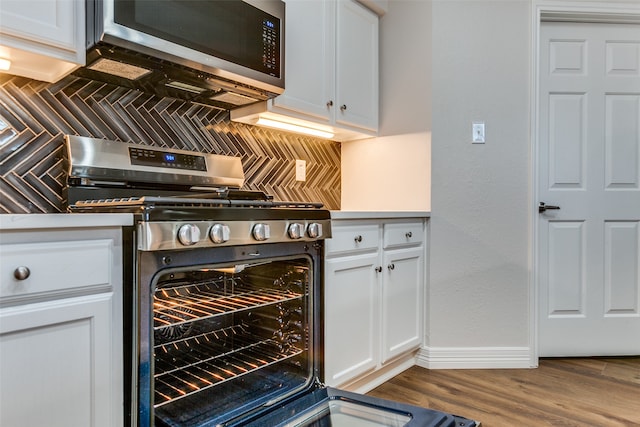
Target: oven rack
175, 306
188, 366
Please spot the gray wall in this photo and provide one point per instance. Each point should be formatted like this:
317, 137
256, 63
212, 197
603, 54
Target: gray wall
479, 268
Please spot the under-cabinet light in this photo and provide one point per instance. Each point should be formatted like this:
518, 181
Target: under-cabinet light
5, 64
293, 128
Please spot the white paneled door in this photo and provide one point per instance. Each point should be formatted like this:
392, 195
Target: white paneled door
589, 167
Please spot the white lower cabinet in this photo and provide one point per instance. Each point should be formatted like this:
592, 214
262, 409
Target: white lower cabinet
60, 328
401, 302
374, 295
351, 317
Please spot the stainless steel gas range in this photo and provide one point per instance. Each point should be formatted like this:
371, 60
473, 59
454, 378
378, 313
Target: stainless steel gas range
223, 295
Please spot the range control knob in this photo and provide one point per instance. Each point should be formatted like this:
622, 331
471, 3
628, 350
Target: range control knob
314, 230
188, 234
261, 232
219, 233
296, 230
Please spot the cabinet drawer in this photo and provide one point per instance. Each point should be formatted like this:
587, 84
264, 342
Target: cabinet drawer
352, 238
403, 234
54, 267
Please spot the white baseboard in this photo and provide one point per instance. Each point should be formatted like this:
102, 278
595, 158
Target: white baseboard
368, 382
474, 358
445, 358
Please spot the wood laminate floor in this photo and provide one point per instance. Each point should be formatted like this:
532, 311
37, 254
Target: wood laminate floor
560, 392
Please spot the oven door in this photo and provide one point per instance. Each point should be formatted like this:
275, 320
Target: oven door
230, 337
226, 332
336, 408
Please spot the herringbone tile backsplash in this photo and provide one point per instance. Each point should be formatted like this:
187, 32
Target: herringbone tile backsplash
35, 116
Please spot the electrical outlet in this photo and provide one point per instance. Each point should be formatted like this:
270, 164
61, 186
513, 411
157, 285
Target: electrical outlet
477, 129
301, 170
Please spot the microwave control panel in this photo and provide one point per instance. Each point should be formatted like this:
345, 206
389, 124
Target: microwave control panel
270, 44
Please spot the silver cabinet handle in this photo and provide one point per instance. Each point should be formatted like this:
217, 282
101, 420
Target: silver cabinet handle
379, 269
343, 107
358, 239
330, 103
543, 207
408, 234
391, 266
22, 273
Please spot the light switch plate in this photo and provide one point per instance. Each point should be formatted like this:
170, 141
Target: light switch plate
301, 170
477, 129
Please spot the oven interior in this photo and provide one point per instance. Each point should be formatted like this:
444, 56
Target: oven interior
230, 338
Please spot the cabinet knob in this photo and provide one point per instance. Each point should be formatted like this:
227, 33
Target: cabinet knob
391, 266
408, 234
343, 107
379, 269
22, 273
358, 239
330, 104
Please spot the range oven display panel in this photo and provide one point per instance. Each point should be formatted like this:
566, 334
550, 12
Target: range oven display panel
166, 159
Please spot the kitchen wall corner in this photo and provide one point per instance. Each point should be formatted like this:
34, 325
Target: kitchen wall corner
35, 116
393, 171
480, 246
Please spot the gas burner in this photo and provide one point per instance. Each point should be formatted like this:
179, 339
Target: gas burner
185, 201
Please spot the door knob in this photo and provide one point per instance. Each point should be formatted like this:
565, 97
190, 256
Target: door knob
543, 207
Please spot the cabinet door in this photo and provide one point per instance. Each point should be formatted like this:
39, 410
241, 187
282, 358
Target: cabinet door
356, 66
402, 301
56, 268
309, 68
351, 314
53, 28
56, 364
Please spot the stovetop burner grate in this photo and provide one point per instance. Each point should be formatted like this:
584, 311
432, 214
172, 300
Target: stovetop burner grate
159, 201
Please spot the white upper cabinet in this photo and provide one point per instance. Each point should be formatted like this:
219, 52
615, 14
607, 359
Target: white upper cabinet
356, 81
331, 70
310, 60
43, 39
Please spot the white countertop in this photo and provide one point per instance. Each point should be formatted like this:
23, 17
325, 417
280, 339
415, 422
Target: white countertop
79, 220
64, 220
379, 214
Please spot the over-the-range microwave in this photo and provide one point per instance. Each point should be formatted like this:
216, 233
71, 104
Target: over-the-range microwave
225, 53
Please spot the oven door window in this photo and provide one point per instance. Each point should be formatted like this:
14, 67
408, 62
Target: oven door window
228, 338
